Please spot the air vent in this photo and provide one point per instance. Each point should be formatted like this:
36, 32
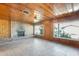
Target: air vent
26, 12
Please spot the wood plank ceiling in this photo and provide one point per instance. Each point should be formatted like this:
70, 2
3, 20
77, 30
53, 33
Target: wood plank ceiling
24, 12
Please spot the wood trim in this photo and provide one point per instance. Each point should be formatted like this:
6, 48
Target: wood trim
70, 43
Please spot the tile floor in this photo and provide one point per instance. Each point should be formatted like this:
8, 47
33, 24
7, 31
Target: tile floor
36, 47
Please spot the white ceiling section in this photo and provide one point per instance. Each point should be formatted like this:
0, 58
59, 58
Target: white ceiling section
62, 8
59, 9
76, 6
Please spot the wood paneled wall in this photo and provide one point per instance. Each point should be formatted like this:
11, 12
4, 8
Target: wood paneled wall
5, 24
48, 30
5, 28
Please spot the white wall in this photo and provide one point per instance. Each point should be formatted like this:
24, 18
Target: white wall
28, 28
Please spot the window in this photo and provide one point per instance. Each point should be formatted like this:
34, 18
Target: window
67, 29
39, 30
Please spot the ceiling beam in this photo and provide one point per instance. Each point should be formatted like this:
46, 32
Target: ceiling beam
71, 15
46, 8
